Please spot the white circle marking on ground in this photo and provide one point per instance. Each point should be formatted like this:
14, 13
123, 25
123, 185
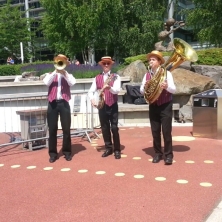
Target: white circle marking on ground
189, 161
160, 178
138, 176
82, 171
136, 158
182, 181
183, 138
205, 184
100, 172
65, 169
94, 144
48, 168
93, 141
15, 166
31, 167
119, 174
208, 161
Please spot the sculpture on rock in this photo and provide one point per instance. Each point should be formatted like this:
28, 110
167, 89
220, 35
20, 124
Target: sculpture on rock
166, 43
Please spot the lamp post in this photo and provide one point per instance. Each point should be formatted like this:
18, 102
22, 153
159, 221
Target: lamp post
27, 16
21, 49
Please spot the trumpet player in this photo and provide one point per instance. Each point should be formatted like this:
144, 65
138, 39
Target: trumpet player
108, 114
59, 82
160, 111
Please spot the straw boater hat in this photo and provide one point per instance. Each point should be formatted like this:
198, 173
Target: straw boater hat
63, 58
106, 59
157, 54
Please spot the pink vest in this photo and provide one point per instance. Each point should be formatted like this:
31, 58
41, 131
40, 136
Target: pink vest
65, 90
110, 98
164, 97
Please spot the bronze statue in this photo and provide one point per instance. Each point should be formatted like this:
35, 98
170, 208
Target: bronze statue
164, 35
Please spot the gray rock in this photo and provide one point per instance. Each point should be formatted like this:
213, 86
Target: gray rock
189, 83
29, 74
136, 71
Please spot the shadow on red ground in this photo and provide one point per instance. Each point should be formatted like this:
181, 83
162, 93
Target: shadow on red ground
92, 188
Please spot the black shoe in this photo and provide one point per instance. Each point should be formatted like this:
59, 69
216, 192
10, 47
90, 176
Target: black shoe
168, 161
157, 159
52, 159
68, 157
107, 153
117, 154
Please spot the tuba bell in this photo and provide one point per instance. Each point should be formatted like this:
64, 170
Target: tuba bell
60, 63
182, 52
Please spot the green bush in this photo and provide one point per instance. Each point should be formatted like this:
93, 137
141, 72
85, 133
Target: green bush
205, 57
210, 57
8, 70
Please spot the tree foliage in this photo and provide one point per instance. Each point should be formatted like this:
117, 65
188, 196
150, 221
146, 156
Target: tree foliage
119, 27
14, 28
205, 19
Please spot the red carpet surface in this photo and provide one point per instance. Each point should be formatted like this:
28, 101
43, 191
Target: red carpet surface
132, 189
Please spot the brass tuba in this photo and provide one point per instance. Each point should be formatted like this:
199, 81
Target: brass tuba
182, 52
60, 63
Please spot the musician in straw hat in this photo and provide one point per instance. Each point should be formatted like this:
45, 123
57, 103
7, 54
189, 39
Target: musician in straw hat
59, 82
110, 84
160, 111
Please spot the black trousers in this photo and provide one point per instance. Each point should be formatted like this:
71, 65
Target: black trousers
108, 117
55, 109
161, 119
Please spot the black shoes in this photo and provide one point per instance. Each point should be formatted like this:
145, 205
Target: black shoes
68, 157
117, 154
107, 153
157, 159
52, 159
168, 161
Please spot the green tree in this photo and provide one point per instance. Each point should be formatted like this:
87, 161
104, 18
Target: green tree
205, 19
118, 27
14, 28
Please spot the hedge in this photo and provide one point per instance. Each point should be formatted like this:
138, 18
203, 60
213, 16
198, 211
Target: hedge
205, 57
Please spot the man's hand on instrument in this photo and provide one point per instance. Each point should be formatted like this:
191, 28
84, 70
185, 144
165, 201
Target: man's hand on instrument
63, 72
164, 85
93, 102
106, 86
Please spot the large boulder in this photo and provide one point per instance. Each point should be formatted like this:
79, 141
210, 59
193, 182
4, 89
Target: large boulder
189, 83
136, 71
214, 72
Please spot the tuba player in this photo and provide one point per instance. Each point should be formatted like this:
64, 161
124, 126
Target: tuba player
160, 111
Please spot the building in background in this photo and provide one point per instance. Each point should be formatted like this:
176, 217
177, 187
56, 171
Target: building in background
34, 11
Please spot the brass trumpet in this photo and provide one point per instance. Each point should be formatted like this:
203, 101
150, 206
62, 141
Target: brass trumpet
60, 63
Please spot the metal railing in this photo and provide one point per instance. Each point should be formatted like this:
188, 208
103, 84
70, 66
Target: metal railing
23, 119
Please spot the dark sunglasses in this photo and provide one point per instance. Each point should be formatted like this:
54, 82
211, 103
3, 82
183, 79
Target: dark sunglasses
106, 63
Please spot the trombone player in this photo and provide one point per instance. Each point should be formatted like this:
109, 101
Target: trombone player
59, 82
160, 110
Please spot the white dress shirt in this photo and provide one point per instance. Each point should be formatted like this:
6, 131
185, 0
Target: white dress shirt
115, 89
171, 86
50, 77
